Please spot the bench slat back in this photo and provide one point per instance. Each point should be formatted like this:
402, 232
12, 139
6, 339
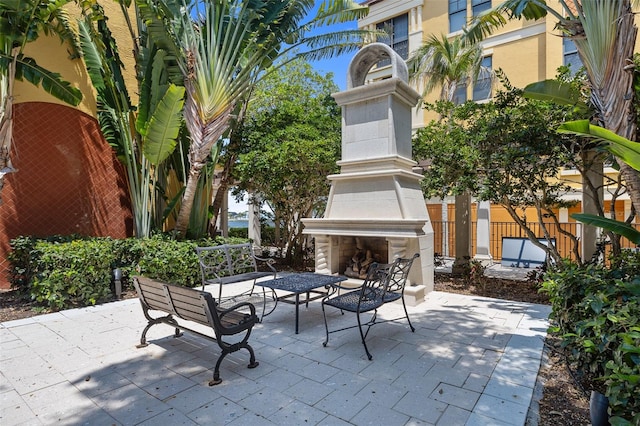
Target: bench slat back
183, 302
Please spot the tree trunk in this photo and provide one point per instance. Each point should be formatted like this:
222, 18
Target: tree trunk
614, 96
462, 233
6, 122
222, 190
203, 136
187, 199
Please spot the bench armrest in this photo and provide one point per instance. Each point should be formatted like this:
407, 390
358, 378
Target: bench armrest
236, 307
268, 261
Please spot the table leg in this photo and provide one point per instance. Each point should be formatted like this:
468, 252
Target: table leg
297, 310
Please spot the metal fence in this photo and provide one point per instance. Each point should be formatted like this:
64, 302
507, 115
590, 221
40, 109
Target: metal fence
445, 243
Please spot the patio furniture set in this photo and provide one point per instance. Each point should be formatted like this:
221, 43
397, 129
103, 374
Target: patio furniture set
230, 315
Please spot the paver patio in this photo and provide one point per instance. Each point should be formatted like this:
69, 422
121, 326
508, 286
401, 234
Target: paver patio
472, 360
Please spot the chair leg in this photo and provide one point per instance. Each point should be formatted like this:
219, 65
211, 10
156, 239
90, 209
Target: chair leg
326, 327
407, 315
363, 336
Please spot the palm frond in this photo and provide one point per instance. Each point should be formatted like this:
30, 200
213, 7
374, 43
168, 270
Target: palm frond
91, 55
619, 146
596, 37
59, 23
555, 91
444, 62
338, 11
483, 25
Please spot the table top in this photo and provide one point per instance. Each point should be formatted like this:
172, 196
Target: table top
301, 282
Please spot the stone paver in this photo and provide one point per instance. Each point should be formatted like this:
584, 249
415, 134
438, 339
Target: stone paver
472, 361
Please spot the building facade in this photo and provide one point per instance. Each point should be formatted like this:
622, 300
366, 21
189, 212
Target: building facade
68, 179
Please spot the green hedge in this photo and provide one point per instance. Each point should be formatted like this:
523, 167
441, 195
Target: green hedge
596, 312
62, 272
267, 234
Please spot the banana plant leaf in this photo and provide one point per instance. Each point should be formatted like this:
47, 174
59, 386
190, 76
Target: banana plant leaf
52, 83
615, 226
617, 145
164, 126
555, 91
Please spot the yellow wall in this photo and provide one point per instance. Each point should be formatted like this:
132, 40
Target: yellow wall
52, 55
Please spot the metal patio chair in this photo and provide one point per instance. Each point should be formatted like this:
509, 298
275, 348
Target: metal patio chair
384, 283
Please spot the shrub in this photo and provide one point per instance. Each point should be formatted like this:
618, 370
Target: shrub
268, 235
596, 311
239, 232
23, 258
61, 272
76, 273
168, 260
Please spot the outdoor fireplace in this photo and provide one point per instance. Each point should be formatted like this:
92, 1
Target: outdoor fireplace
375, 204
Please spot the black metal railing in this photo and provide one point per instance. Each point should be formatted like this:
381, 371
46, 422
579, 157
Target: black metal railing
445, 242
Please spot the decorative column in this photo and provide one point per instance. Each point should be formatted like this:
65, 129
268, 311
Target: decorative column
255, 234
322, 254
483, 234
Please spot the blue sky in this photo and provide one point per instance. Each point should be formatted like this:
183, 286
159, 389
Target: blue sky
338, 66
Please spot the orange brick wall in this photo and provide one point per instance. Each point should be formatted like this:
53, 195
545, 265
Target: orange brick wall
68, 180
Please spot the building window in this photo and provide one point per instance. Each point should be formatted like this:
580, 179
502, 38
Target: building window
457, 15
460, 94
482, 87
570, 55
397, 37
479, 6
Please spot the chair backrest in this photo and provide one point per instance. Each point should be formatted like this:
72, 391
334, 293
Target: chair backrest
375, 284
399, 272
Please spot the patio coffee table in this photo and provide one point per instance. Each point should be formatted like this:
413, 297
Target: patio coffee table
298, 283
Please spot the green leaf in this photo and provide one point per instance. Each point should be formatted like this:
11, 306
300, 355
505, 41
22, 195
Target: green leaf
555, 91
52, 83
617, 145
615, 226
164, 126
92, 57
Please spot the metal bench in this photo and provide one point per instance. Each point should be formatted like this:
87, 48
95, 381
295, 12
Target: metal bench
384, 283
199, 307
235, 263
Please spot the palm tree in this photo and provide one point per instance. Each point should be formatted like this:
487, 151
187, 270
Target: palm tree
449, 64
445, 63
22, 22
226, 51
605, 34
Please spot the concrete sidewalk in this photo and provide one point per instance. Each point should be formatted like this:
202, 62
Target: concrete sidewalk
471, 360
